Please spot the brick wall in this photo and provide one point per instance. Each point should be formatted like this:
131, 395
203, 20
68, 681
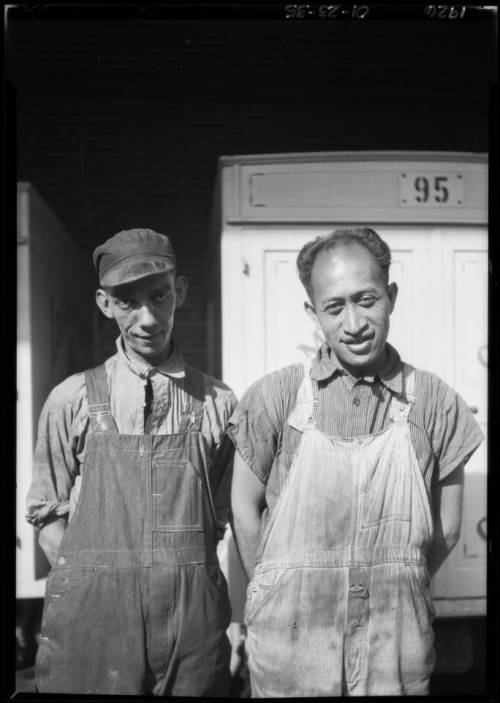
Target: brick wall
120, 123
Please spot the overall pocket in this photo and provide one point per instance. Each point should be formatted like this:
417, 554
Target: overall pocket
214, 575
420, 583
260, 590
57, 584
386, 492
211, 594
177, 496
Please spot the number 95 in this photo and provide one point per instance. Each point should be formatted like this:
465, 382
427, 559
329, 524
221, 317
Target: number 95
438, 189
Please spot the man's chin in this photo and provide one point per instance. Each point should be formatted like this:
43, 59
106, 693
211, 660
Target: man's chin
358, 364
153, 351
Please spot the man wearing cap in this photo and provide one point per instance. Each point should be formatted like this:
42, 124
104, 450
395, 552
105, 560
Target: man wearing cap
131, 493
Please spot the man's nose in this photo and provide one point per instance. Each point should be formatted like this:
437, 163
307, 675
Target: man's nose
146, 317
355, 321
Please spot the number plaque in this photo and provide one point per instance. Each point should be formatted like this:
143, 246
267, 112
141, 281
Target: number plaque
419, 189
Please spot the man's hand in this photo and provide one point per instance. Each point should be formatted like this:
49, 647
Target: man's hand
447, 511
50, 538
248, 500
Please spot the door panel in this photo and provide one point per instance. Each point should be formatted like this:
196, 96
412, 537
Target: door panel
290, 333
465, 261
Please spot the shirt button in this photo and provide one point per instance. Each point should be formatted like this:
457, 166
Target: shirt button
356, 402
61, 561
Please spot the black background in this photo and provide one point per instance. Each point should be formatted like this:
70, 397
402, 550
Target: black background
122, 113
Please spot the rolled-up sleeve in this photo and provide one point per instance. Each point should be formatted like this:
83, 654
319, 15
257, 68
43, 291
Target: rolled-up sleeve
456, 433
253, 432
221, 491
219, 406
55, 464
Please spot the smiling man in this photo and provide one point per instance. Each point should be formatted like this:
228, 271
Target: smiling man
347, 492
130, 493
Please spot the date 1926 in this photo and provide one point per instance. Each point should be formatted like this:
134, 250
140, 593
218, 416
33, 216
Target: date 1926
357, 12
445, 12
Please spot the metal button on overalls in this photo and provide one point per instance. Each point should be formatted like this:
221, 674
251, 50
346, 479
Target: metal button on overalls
138, 580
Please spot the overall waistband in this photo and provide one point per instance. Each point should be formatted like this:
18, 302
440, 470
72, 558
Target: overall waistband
343, 558
127, 559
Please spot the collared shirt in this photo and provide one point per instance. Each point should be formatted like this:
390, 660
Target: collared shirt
443, 430
64, 425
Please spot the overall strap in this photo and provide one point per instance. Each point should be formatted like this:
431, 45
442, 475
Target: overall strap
402, 404
409, 382
99, 409
194, 399
192, 417
301, 416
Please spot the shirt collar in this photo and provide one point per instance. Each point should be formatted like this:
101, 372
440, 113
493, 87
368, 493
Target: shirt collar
326, 365
173, 366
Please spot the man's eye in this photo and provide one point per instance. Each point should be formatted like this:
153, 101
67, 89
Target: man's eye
333, 309
124, 303
367, 301
161, 297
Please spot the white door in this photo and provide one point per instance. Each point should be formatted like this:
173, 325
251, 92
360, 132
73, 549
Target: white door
439, 324
465, 269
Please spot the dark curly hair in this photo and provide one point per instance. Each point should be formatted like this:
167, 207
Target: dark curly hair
365, 236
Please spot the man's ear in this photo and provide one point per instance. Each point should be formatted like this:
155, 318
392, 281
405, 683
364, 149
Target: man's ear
392, 293
308, 307
102, 300
181, 288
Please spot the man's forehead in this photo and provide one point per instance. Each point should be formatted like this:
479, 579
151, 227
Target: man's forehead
346, 260
348, 270
344, 250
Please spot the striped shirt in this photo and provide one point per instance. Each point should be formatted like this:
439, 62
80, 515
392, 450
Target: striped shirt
443, 431
64, 426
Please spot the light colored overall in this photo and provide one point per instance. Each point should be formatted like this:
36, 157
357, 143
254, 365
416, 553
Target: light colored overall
339, 603
136, 603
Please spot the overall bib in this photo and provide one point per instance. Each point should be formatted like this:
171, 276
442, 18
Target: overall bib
339, 603
136, 602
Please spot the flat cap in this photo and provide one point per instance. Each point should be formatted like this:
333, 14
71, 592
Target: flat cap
132, 254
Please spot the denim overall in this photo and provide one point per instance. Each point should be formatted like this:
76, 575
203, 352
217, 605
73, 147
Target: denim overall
339, 603
136, 602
